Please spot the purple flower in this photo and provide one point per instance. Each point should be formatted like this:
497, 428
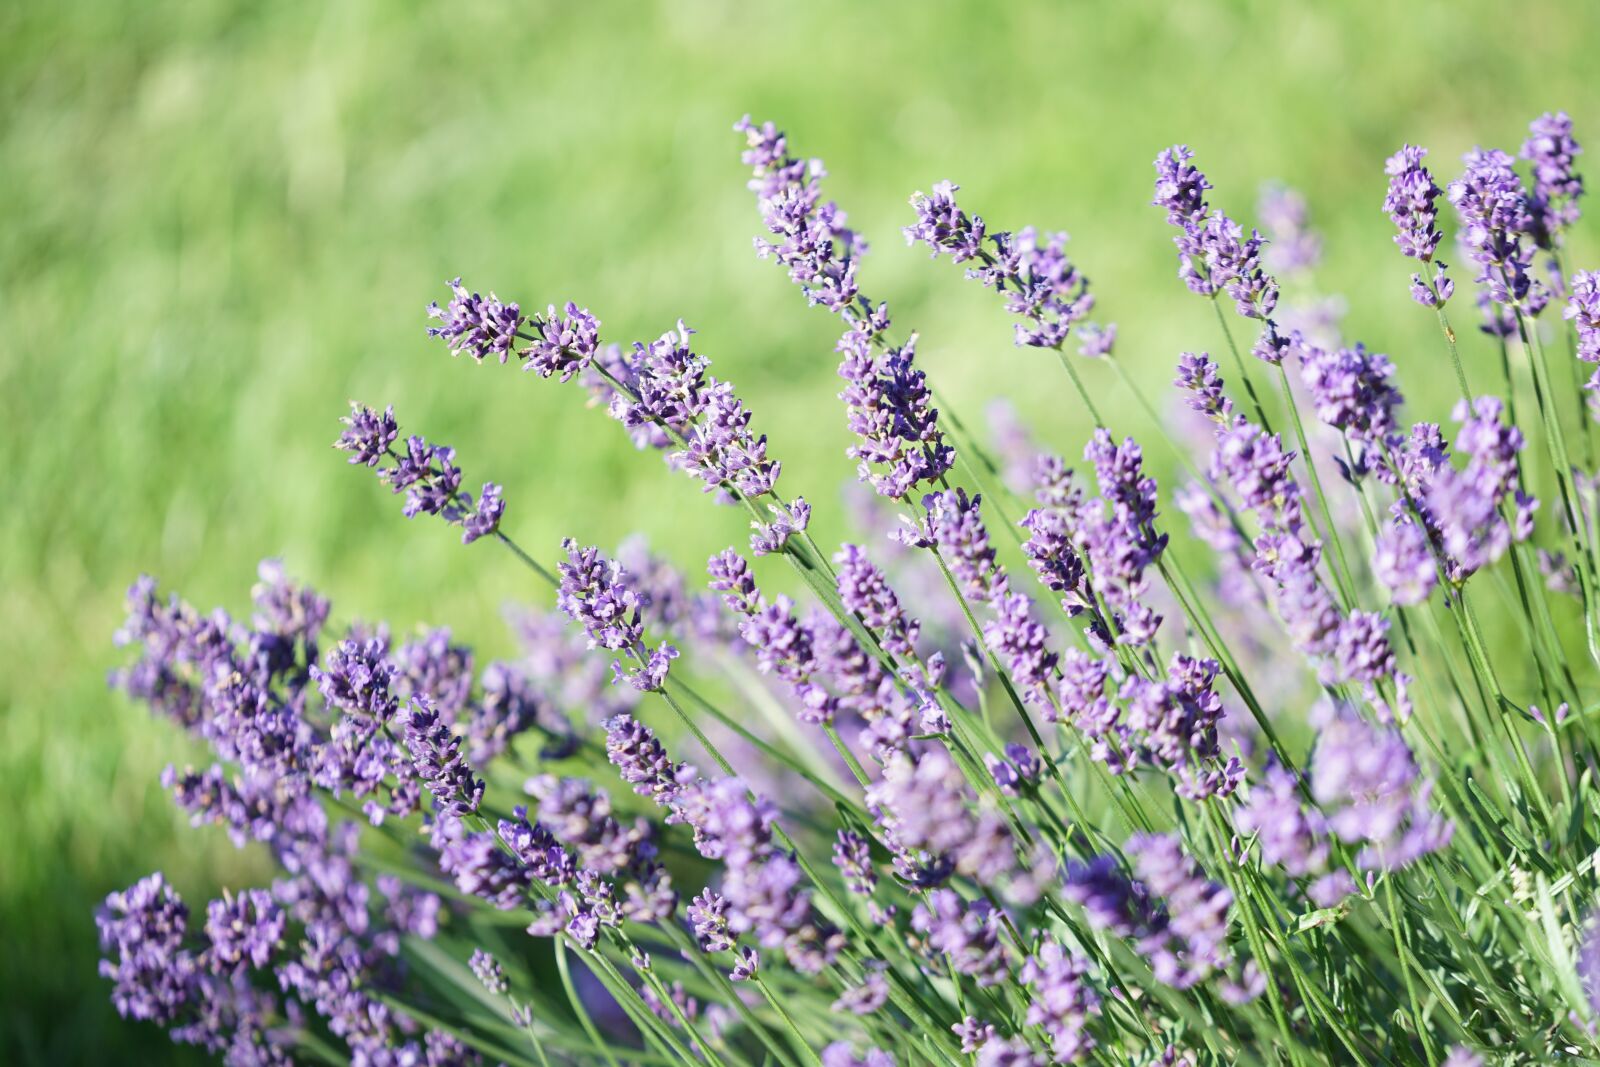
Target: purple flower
143, 929
1214, 255
852, 854
956, 529
1557, 186
1052, 556
1120, 535
1198, 377
596, 594
243, 928
1192, 942
1022, 643
436, 759
484, 518
1465, 505
1410, 203
1061, 1000
1290, 834
889, 409
1403, 562
367, 434
868, 997
968, 933
1180, 187
811, 239
427, 474
1041, 285
923, 809
567, 342
1352, 392
865, 592
974, 1033
1367, 781
358, 679
943, 226
1583, 309
1295, 247
708, 914
1493, 207
488, 971
841, 1054
642, 760
722, 450
479, 326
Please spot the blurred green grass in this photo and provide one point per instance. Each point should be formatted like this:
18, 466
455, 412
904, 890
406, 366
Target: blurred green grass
221, 221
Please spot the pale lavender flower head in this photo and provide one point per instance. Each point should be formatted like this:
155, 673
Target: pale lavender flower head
1583, 310
642, 761
436, 758
841, 1054
967, 932
974, 1033
1180, 187
484, 517
1192, 942
852, 854
1557, 186
722, 450
1403, 562
477, 325
1291, 835
1462, 1056
1352, 391
1465, 504
1051, 554
810, 236
1061, 1000
865, 592
488, 972
1294, 246
1022, 643
1366, 780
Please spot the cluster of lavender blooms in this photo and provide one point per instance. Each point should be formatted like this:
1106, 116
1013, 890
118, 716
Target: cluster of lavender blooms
925, 805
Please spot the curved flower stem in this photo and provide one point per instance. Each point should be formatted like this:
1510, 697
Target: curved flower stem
1238, 361
1398, 929
1077, 383
788, 1021
577, 1003
1450, 342
1341, 570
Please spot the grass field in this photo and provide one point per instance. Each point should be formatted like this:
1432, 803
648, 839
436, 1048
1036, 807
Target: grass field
220, 222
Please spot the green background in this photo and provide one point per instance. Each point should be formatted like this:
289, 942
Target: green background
221, 221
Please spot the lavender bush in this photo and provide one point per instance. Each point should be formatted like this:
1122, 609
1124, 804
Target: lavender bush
1012, 783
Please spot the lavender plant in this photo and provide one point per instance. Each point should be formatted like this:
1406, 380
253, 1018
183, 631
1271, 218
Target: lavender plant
1266, 794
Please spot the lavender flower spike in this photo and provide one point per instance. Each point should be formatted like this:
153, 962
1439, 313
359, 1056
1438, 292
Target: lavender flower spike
479, 326
427, 474
1410, 203
595, 593
1557, 186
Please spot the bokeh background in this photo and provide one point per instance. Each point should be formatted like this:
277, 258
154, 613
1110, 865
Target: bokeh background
218, 222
